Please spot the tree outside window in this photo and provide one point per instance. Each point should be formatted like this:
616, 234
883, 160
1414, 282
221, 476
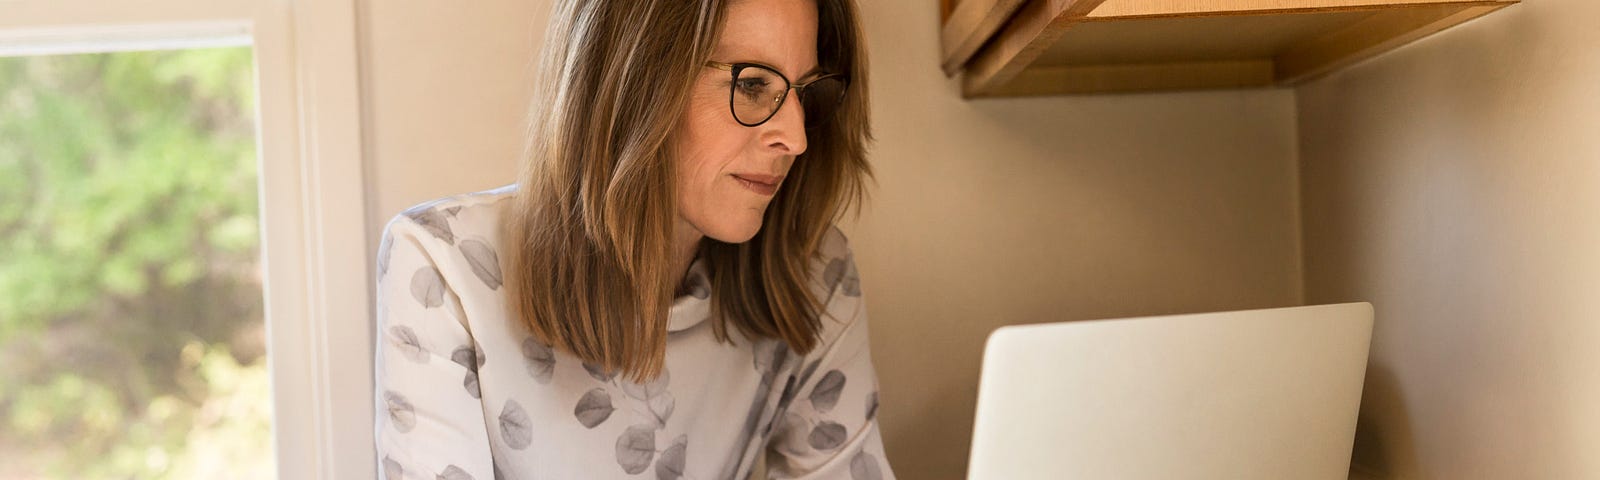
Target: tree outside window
131, 333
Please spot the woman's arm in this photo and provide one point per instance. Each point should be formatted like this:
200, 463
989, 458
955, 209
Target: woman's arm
827, 426
429, 422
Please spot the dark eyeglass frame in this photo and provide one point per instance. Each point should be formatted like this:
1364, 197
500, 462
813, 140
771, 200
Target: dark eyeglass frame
735, 68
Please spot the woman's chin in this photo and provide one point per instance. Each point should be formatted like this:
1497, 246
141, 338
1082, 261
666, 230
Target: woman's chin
734, 232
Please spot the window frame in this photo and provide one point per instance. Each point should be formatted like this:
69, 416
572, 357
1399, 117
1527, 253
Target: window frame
310, 148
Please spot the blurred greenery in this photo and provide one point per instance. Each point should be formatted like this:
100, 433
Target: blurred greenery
131, 334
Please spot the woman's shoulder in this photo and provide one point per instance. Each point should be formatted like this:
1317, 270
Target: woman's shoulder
452, 217
462, 227
835, 244
838, 282
834, 260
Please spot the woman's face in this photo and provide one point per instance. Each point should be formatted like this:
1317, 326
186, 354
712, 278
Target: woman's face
726, 171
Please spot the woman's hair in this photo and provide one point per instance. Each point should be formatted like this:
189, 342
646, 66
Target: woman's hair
590, 230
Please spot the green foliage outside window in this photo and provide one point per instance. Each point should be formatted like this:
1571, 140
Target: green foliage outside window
131, 336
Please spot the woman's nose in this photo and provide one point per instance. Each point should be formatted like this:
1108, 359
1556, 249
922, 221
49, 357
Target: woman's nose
787, 128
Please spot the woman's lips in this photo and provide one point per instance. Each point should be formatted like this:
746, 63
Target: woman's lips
761, 184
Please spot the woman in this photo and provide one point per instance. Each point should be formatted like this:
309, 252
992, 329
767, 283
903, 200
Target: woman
663, 292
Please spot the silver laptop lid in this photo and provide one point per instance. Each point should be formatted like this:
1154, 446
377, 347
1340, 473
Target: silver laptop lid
1260, 394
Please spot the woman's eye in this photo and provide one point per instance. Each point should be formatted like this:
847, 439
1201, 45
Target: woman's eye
752, 87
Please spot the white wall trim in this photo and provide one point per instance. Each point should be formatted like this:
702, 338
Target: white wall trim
121, 38
335, 214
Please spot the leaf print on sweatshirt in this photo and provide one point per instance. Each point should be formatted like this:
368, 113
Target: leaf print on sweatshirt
540, 358
827, 435
392, 469
434, 221
515, 426
636, 448
661, 407
791, 441
841, 273
768, 358
783, 404
428, 287
865, 467
852, 280
401, 415
791, 390
594, 408
470, 359
485, 264
872, 406
453, 472
655, 396
597, 372
805, 374
673, 460
467, 357
405, 341
834, 274
645, 391
826, 393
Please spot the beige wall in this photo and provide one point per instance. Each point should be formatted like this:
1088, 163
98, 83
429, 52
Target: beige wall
445, 91
987, 213
998, 212
1455, 184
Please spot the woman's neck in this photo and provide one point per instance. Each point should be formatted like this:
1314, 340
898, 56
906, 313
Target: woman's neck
684, 246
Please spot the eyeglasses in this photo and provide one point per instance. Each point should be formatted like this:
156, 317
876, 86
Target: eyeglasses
758, 91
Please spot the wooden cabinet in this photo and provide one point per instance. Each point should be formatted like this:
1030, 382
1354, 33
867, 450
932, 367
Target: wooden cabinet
1047, 47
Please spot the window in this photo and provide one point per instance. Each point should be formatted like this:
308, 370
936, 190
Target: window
131, 335
311, 271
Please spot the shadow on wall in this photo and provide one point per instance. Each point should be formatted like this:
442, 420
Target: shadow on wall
1013, 211
1383, 443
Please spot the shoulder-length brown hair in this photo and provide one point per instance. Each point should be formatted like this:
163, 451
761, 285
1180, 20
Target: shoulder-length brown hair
589, 233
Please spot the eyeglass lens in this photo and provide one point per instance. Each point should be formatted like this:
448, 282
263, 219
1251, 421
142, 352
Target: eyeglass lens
758, 92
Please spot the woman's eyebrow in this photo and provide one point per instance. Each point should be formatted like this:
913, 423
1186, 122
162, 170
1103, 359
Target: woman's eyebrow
814, 70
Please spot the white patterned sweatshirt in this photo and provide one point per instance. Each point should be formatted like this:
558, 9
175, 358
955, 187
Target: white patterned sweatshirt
464, 393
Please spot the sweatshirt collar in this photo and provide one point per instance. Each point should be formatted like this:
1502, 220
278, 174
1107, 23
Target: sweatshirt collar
693, 307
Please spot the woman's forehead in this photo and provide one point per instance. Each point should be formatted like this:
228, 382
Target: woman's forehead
780, 33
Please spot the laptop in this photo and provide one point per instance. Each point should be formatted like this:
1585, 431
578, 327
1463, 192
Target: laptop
1259, 394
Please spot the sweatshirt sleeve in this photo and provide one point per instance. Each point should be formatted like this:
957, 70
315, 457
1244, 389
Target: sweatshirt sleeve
827, 425
429, 421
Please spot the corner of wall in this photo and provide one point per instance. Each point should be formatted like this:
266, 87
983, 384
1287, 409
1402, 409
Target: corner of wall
1297, 196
